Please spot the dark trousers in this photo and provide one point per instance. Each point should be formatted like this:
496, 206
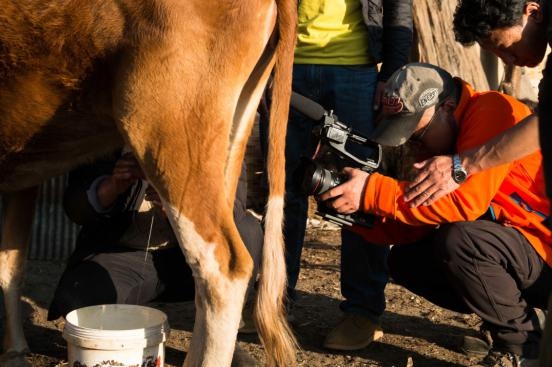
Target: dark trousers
481, 267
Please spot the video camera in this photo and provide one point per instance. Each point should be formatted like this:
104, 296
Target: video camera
316, 176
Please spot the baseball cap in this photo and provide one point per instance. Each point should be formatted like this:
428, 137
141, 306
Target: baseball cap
410, 91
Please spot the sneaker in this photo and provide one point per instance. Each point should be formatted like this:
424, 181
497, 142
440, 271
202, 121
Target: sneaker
477, 346
352, 333
497, 358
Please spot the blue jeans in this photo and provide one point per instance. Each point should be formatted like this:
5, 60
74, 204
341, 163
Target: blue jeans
348, 91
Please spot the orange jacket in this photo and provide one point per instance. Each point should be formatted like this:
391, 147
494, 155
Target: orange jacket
515, 191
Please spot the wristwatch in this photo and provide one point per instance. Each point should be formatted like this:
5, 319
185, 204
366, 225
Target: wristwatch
459, 173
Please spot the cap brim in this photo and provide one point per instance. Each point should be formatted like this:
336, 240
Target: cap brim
396, 129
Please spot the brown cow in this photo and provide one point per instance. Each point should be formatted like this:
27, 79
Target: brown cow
179, 81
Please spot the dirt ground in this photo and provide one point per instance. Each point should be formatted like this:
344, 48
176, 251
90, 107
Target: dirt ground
417, 333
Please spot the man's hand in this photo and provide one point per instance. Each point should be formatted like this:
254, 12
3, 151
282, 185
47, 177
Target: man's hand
124, 174
434, 180
347, 197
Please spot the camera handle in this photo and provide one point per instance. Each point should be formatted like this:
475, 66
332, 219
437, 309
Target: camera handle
335, 132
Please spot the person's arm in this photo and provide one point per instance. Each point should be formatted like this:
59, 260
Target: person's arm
98, 189
347, 197
384, 196
396, 41
381, 195
434, 178
125, 173
545, 129
397, 36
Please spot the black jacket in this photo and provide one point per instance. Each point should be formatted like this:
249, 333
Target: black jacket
97, 228
390, 29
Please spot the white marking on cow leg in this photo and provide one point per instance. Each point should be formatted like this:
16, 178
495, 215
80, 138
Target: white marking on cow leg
11, 276
16, 226
219, 299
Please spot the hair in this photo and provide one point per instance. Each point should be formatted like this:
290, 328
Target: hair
454, 94
475, 19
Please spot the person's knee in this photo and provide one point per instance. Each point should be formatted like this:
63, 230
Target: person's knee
399, 265
454, 243
84, 285
251, 233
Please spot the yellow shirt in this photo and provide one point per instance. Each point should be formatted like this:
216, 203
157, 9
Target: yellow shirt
331, 32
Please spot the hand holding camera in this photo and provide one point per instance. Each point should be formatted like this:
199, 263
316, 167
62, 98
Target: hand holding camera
346, 198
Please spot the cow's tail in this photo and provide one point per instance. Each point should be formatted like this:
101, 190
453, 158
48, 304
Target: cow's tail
272, 324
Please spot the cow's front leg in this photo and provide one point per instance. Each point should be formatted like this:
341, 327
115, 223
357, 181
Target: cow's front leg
18, 212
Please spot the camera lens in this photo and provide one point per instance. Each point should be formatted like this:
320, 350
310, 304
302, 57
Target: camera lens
317, 179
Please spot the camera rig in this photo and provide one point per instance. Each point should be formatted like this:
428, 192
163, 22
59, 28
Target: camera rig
335, 135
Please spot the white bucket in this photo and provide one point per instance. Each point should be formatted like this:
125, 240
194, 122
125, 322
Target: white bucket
116, 335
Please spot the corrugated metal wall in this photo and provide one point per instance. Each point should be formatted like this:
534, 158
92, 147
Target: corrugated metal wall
54, 235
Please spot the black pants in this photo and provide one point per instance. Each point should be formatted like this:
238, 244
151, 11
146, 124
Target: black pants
480, 267
118, 274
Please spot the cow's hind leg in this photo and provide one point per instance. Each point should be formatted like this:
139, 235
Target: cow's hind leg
222, 271
201, 216
189, 175
179, 101
18, 212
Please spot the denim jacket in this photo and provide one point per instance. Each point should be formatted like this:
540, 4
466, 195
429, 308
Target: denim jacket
390, 27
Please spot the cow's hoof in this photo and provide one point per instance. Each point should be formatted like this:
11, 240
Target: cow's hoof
14, 359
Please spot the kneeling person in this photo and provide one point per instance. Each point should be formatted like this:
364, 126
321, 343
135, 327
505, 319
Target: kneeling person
482, 248
126, 251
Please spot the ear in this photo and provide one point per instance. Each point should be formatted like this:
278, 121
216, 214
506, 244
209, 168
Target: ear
450, 105
534, 11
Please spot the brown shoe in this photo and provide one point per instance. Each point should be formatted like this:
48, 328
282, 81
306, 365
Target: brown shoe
352, 333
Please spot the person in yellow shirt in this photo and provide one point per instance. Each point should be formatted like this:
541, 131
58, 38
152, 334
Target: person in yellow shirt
340, 44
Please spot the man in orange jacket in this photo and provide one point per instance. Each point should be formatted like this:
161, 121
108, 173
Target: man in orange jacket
482, 248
